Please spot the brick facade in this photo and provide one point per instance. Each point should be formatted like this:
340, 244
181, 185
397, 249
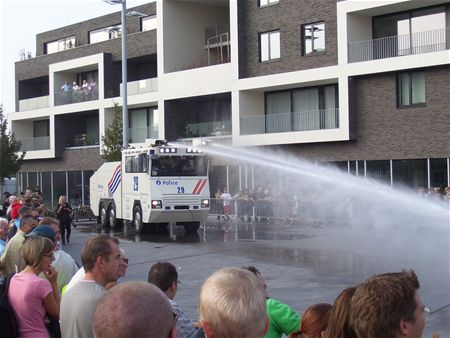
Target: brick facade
384, 131
287, 16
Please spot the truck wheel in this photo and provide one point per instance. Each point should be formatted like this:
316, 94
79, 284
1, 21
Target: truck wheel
191, 227
113, 221
103, 216
137, 219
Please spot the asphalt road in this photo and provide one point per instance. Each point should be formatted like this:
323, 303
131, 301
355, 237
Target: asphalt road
302, 264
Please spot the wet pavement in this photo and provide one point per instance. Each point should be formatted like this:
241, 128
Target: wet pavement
303, 264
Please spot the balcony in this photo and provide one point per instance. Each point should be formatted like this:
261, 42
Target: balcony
35, 143
81, 140
202, 129
141, 86
76, 96
138, 135
290, 122
400, 45
34, 103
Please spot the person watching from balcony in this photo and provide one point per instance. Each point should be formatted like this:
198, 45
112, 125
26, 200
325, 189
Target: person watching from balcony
76, 92
67, 89
84, 87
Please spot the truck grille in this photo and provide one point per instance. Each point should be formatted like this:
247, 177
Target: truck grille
181, 201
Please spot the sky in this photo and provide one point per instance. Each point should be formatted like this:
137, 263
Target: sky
21, 20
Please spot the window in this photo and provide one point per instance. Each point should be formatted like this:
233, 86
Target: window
136, 163
148, 23
105, 33
411, 89
313, 38
179, 166
270, 45
60, 45
302, 109
263, 3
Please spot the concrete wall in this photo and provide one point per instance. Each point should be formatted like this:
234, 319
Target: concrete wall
184, 32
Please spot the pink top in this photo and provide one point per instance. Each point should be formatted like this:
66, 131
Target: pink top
26, 295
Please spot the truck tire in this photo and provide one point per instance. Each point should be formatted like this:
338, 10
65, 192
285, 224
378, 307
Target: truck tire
137, 219
103, 215
191, 227
114, 223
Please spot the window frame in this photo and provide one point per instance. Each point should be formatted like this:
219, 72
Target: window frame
269, 3
66, 40
109, 30
410, 90
149, 17
269, 33
303, 38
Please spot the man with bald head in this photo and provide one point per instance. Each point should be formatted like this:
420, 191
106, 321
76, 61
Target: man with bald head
134, 309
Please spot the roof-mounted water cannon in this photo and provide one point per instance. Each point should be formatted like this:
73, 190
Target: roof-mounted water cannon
159, 143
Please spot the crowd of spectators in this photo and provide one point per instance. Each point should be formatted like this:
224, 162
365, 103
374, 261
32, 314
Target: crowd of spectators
233, 301
271, 204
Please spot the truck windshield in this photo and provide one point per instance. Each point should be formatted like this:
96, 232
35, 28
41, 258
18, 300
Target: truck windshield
179, 166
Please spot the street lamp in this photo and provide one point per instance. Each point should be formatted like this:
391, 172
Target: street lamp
124, 70
124, 15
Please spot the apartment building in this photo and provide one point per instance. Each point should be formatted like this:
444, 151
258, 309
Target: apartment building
361, 84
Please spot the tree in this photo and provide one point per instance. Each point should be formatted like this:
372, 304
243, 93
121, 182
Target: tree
10, 156
112, 141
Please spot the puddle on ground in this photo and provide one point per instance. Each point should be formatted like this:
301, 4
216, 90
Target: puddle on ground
213, 232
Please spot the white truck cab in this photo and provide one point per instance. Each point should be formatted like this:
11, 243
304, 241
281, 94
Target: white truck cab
153, 186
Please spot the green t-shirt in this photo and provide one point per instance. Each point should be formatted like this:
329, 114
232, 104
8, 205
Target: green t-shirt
282, 319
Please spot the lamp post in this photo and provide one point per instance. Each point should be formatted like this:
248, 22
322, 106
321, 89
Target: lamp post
124, 70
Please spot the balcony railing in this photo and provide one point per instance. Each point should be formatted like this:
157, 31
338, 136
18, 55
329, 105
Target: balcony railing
81, 140
141, 86
35, 143
202, 129
138, 135
290, 122
34, 103
75, 96
400, 45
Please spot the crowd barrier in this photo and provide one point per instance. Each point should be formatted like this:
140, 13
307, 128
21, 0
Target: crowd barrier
293, 211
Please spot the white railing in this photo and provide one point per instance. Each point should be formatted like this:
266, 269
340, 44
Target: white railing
138, 135
290, 122
35, 143
141, 86
34, 103
400, 45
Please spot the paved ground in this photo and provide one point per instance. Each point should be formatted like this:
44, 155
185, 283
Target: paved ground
303, 265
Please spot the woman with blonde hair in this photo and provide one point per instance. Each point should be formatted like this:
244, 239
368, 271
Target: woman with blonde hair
64, 215
339, 322
31, 296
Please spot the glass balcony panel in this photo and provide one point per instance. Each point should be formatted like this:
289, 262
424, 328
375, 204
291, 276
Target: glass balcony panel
201, 129
34, 103
138, 135
76, 96
141, 86
35, 143
290, 122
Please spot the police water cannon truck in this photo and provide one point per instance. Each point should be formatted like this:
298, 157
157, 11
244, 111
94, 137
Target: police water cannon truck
153, 186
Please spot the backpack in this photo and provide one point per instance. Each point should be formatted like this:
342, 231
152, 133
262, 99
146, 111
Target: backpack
8, 321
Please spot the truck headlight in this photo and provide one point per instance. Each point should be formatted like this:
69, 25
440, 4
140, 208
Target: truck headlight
156, 204
205, 203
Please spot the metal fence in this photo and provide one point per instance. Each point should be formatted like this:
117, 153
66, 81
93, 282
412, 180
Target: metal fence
400, 45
